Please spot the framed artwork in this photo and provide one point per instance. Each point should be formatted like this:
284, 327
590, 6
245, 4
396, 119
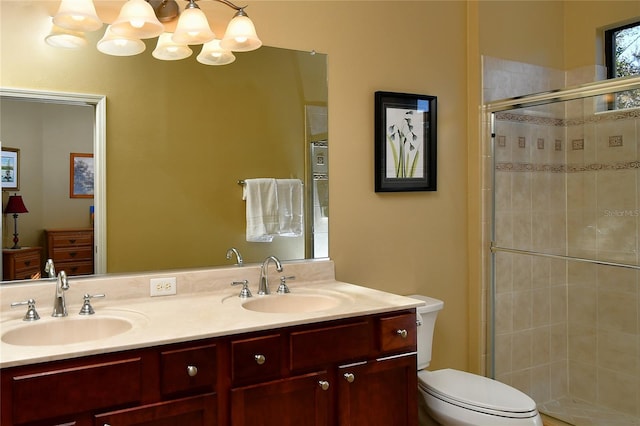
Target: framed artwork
10, 169
405, 142
81, 172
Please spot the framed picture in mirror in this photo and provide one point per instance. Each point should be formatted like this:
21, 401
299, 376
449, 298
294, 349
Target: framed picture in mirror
10, 169
81, 173
405, 142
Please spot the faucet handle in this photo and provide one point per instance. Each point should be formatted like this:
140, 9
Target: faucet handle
87, 309
283, 288
245, 292
32, 314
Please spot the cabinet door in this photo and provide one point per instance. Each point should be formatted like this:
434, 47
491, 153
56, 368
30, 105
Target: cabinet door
194, 411
296, 401
378, 393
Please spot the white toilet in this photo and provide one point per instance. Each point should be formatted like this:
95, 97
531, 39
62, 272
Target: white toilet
452, 397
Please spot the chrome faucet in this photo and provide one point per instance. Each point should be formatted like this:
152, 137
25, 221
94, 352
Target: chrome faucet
50, 269
235, 251
263, 287
59, 306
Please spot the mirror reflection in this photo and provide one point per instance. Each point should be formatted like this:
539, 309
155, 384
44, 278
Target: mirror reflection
176, 148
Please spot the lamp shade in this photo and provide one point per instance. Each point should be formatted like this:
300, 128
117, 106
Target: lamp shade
15, 205
77, 15
213, 54
118, 45
64, 38
241, 34
193, 27
169, 50
137, 20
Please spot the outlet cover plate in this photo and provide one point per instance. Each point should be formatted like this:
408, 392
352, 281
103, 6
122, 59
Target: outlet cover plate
163, 286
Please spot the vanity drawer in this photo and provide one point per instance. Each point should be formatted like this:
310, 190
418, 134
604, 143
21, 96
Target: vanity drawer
397, 333
256, 359
188, 369
65, 391
327, 345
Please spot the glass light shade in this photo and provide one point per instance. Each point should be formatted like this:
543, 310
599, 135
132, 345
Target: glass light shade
241, 34
137, 20
213, 54
66, 39
193, 27
118, 45
169, 50
77, 15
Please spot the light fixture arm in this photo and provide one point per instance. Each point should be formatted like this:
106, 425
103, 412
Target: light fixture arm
231, 5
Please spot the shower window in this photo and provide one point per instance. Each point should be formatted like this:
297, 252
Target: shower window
622, 55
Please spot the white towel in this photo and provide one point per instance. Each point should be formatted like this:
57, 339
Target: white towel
290, 207
262, 209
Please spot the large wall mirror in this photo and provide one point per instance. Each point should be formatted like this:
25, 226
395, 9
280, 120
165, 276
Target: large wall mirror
178, 138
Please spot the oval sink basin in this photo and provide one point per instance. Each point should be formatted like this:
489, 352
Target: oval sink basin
65, 331
291, 303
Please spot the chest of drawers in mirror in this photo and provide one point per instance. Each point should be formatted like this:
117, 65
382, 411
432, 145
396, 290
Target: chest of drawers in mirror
71, 250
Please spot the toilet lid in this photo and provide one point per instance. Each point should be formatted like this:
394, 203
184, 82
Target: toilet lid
477, 393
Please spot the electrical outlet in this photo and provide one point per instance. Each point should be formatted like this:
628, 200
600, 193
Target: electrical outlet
163, 286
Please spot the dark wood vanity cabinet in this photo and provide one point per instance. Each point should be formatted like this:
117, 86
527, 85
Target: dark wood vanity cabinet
354, 372
153, 386
359, 372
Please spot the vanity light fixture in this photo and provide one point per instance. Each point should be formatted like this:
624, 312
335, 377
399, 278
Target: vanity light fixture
15, 205
142, 19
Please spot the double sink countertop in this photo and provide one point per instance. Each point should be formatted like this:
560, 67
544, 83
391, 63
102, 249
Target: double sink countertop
205, 306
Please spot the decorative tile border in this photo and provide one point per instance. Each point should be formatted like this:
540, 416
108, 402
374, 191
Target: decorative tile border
566, 168
566, 122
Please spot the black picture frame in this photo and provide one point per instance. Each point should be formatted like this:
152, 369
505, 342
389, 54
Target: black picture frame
405, 142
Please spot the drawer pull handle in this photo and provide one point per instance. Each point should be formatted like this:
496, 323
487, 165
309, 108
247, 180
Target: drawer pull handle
72, 241
349, 377
73, 254
192, 370
324, 385
260, 359
27, 262
402, 333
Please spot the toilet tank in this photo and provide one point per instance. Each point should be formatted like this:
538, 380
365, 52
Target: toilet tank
427, 315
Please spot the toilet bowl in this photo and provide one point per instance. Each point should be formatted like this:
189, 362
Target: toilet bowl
453, 397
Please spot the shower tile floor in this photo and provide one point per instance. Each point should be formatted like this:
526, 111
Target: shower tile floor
580, 413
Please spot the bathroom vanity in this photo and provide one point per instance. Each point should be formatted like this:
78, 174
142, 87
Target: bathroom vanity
340, 354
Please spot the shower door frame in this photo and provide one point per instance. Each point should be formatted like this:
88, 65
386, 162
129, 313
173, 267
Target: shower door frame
488, 112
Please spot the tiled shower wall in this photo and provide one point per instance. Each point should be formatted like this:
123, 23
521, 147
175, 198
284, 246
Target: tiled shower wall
567, 182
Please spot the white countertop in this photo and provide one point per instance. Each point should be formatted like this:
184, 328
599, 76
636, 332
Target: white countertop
193, 316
